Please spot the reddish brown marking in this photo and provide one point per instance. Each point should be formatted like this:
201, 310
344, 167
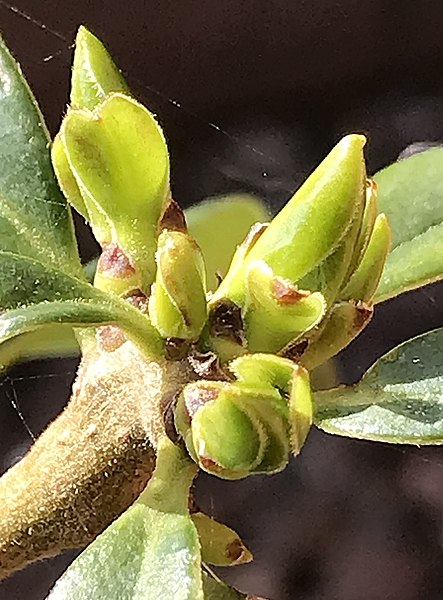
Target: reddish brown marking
114, 262
197, 396
138, 299
363, 315
295, 350
173, 218
235, 550
285, 293
110, 337
209, 464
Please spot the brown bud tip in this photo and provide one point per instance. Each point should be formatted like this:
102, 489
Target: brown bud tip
113, 262
137, 299
363, 315
225, 320
173, 218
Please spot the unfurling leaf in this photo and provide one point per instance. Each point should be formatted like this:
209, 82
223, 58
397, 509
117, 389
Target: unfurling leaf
248, 426
119, 160
276, 312
94, 74
399, 400
312, 224
410, 193
177, 305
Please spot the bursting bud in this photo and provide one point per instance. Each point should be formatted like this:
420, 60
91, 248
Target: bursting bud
249, 426
113, 166
276, 312
310, 227
177, 305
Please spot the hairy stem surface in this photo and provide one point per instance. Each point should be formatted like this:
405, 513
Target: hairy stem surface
91, 462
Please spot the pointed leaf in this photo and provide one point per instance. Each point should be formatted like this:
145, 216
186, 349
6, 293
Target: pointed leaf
34, 217
410, 193
33, 295
94, 74
399, 400
312, 224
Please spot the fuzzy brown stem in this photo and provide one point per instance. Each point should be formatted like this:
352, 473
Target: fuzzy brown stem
91, 462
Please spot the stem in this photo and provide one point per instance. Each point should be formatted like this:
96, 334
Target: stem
92, 461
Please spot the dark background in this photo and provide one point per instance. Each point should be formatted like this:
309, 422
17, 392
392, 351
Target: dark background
251, 95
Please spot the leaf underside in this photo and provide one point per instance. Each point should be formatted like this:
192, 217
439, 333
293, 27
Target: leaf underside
399, 400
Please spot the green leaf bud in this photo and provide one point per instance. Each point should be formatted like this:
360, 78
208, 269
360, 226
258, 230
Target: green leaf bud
94, 74
119, 159
310, 227
276, 312
177, 305
364, 282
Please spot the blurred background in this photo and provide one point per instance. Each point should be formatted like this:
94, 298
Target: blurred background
252, 95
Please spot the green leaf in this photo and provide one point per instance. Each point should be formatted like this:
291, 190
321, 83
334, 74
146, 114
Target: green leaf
150, 552
120, 161
276, 312
410, 193
45, 342
34, 218
33, 295
217, 590
399, 400
220, 545
94, 74
219, 225
313, 223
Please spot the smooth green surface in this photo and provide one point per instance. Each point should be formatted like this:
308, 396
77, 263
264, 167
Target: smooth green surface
151, 552
272, 322
177, 305
120, 161
410, 192
94, 74
312, 224
219, 225
399, 400
364, 281
33, 295
35, 220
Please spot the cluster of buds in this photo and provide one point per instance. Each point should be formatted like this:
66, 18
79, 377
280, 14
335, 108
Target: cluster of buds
298, 290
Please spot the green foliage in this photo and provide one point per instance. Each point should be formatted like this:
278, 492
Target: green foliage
411, 195
35, 220
399, 400
94, 74
33, 295
297, 291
